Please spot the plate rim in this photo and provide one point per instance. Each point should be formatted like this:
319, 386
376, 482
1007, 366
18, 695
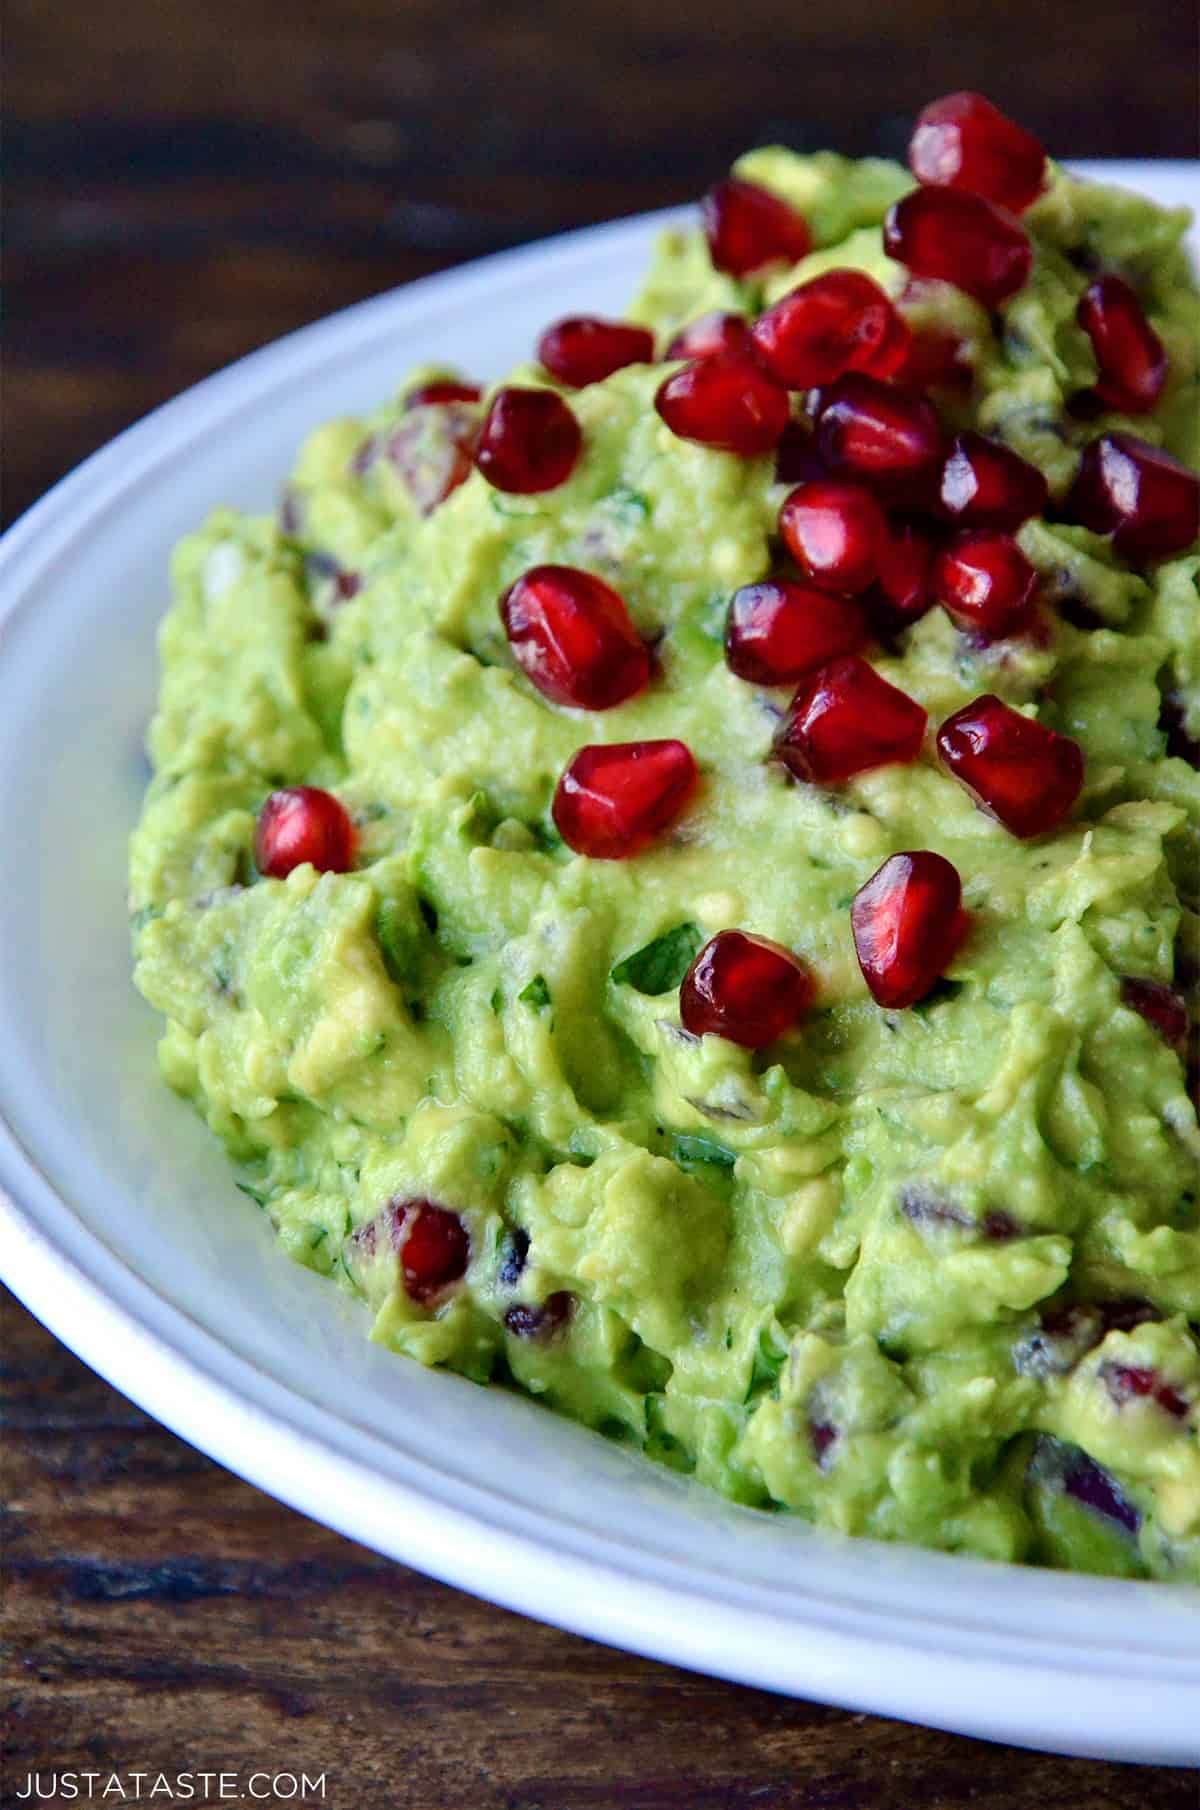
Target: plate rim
184, 1376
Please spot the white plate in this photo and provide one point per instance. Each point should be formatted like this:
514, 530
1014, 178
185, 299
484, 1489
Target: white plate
120, 1226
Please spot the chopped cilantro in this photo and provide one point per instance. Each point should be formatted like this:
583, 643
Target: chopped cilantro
536, 995
687, 1150
661, 965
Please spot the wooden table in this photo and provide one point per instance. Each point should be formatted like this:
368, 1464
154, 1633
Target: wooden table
163, 1615
186, 182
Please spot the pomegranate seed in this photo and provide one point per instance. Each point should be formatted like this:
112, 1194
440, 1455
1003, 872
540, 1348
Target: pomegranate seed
530, 441
836, 533
780, 629
1023, 773
1127, 1382
303, 824
821, 1437
1130, 355
985, 484
582, 350
748, 228
440, 391
715, 332
876, 431
744, 988
907, 922
543, 1322
432, 450
846, 719
962, 239
984, 582
797, 460
963, 142
1123, 1314
614, 799
572, 636
1144, 498
901, 594
1067, 1332
433, 1245
936, 360
840, 321
727, 402
1159, 1005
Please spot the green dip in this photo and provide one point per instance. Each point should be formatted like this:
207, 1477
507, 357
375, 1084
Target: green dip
773, 1268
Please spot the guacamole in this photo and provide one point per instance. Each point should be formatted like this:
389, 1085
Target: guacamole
926, 1272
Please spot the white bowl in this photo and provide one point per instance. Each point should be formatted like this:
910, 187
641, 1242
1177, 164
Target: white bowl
121, 1228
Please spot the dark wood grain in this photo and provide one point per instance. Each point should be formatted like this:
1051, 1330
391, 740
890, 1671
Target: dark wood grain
186, 182
160, 1614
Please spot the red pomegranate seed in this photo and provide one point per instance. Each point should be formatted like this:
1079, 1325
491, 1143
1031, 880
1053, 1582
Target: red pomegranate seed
440, 391
714, 332
962, 239
876, 431
1144, 498
748, 228
542, 1322
530, 441
822, 1436
572, 636
432, 450
841, 321
836, 532
1159, 1005
303, 824
1021, 772
984, 582
901, 594
433, 1245
797, 460
781, 628
613, 799
1130, 356
745, 988
846, 719
1126, 1382
985, 484
908, 923
963, 142
727, 402
936, 360
582, 349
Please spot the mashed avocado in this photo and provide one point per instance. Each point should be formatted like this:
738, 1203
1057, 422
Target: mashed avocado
928, 1274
